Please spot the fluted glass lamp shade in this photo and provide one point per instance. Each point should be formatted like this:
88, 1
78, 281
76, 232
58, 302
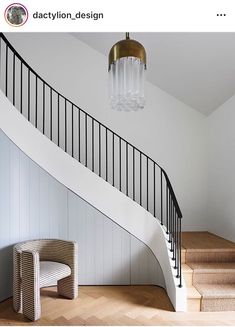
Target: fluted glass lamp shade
127, 65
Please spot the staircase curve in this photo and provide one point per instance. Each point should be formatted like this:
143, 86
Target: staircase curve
94, 162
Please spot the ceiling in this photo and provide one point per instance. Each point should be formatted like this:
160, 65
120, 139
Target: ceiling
196, 68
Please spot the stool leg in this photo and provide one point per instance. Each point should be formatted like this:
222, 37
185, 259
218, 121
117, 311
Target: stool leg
31, 285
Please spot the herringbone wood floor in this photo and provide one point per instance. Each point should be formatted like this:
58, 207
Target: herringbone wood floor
113, 305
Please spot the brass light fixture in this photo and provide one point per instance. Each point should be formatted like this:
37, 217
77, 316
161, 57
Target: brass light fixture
127, 65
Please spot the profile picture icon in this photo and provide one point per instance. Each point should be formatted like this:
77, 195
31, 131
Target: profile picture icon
16, 14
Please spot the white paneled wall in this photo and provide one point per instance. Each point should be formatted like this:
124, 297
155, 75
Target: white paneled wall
35, 205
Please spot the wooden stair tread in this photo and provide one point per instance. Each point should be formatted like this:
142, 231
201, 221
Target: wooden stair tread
192, 293
204, 241
212, 250
212, 267
186, 268
216, 291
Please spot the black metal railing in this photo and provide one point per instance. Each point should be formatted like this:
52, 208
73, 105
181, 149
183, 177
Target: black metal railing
92, 143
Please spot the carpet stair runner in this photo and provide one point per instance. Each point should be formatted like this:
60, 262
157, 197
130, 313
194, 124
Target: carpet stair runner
208, 264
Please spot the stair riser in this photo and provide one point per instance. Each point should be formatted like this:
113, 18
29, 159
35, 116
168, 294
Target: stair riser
214, 278
210, 257
188, 278
218, 304
193, 305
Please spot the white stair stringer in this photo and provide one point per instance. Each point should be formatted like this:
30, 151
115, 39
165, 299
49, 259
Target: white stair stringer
93, 189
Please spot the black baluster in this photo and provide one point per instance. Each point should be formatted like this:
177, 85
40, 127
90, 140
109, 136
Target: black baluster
86, 140
72, 131
133, 173
147, 183
13, 71
154, 190
169, 216
126, 168
79, 135
28, 95
36, 102
176, 243
106, 153
99, 151
58, 120
173, 230
113, 160
21, 87
161, 200
65, 125
120, 164
140, 178
93, 141
175, 237
180, 235
43, 108
51, 125
178, 263
167, 210
6, 81
171, 223
0, 60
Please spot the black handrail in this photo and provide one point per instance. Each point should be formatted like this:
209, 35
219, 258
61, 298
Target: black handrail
169, 210
173, 194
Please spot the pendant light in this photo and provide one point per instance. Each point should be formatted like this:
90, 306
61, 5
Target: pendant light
127, 65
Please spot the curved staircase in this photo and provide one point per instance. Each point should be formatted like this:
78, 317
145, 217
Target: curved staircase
94, 162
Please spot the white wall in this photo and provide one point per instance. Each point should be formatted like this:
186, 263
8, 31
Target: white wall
170, 132
221, 174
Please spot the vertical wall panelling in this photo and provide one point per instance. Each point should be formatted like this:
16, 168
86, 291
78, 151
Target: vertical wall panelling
104, 247
99, 244
35, 205
5, 250
54, 212
121, 255
14, 192
44, 204
24, 196
58, 209
108, 253
89, 248
77, 219
143, 269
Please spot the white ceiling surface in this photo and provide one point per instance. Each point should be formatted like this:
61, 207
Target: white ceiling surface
196, 68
